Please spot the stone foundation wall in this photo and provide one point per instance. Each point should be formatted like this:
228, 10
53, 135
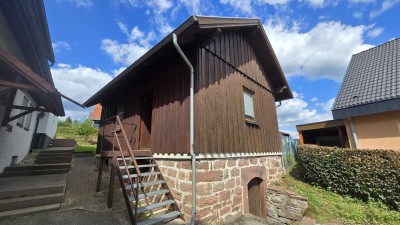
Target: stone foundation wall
285, 207
221, 184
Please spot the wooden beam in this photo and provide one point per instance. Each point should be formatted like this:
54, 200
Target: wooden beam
18, 85
29, 108
25, 71
20, 115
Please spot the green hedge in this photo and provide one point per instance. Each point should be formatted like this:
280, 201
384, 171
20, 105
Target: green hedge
364, 174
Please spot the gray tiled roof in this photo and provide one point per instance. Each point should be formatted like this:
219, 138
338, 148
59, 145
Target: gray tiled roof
372, 76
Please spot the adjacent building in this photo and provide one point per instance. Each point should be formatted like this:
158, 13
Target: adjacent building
366, 111
29, 102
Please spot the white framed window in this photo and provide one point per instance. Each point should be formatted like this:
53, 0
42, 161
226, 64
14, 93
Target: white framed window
28, 118
21, 120
25, 121
248, 104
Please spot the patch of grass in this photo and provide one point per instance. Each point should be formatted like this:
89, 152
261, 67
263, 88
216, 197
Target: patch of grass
326, 206
86, 148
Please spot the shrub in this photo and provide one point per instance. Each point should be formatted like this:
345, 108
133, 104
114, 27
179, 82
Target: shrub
364, 174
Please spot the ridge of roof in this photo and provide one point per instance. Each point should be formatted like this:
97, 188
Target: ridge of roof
204, 22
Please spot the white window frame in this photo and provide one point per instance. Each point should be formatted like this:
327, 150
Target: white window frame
25, 121
248, 101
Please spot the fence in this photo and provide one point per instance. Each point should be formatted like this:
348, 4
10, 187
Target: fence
289, 146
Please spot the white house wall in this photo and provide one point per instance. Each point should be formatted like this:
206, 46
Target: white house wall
48, 125
17, 141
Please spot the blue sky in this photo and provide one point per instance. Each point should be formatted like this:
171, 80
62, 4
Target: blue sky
314, 39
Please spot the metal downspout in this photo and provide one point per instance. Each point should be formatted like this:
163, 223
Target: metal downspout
353, 133
192, 154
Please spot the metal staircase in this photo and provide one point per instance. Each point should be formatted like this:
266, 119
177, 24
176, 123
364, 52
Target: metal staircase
145, 191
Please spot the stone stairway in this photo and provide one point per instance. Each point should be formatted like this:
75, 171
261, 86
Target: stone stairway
28, 189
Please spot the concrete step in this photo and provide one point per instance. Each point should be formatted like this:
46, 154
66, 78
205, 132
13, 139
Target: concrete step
31, 192
29, 211
161, 219
35, 172
63, 143
41, 155
17, 187
38, 167
53, 160
64, 151
31, 201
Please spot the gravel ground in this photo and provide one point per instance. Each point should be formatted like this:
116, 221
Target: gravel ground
29, 159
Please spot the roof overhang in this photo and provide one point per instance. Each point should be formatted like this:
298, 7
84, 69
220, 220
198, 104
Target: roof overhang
45, 94
367, 109
320, 125
188, 33
28, 22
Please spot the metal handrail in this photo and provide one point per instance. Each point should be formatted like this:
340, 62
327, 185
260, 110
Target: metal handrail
133, 159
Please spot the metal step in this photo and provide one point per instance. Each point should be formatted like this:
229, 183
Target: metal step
137, 158
156, 182
140, 166
142, 174
162, 218
150, 194
154, 206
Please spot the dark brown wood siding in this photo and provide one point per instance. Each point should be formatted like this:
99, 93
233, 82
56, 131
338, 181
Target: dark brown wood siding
167, 84
220, 125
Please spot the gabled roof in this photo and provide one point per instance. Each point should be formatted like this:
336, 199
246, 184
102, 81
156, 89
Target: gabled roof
188, 32
372, 82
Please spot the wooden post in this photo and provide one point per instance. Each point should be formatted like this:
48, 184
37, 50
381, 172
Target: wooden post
111, 187
339, 129
100, 174
301, 138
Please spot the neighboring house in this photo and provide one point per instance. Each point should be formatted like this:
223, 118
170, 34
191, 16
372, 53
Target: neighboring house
27, 92
237, 144
95, 115
366, 111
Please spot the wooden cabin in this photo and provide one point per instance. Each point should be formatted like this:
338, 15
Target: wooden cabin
237, 81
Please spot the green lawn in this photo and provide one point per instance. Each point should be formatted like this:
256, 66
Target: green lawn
86, 148
327, 206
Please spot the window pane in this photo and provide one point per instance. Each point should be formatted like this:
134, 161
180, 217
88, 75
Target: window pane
248, 104
28, 118
20, 120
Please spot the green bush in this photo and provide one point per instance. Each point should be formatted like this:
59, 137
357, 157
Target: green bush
364, 174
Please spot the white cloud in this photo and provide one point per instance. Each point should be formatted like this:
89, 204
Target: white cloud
79, 3
297, 111
358, 15
314, 99
362, 1
240, 5
322, 52
79, 82
137, 44
386, 5
61, 45
193, 6
375, 32
316, 3
116, 72
160, 6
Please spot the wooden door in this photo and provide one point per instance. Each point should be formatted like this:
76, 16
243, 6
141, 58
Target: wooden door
254, 192
145, 122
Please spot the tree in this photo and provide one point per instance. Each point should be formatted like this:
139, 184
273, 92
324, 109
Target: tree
68, 120
85, 128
